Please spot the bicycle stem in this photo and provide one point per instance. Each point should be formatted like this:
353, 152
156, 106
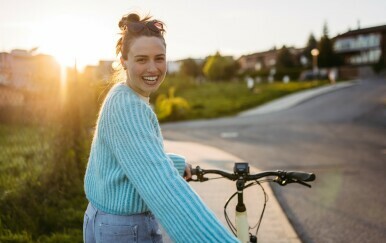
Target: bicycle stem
240, 207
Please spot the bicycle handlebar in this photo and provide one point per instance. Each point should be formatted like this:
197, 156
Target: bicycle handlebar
282, 177
241, 175
301, 176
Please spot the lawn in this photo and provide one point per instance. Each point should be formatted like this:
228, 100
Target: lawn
212, 100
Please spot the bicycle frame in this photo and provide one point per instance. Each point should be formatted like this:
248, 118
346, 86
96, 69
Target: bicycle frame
242, 227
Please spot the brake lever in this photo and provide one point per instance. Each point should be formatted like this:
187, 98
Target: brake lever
284, 182
303, 183
199, 179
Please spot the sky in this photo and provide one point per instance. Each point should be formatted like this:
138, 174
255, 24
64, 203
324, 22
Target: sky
87, 30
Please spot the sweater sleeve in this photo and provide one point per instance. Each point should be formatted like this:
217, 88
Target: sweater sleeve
131, 136
178, 161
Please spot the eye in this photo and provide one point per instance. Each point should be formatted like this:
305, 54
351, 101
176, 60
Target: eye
160, 58
140, 60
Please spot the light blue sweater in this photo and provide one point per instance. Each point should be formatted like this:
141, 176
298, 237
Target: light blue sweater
129, 172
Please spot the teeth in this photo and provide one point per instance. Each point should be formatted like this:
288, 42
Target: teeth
150, 78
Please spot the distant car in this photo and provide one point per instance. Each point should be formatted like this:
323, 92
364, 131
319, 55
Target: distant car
311, 75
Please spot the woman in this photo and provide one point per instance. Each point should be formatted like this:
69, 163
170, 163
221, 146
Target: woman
130, 180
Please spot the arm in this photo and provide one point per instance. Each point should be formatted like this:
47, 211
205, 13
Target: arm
132, 138
178, 161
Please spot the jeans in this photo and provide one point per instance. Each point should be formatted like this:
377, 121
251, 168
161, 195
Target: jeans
101, 227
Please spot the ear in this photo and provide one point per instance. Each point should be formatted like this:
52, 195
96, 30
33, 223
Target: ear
123, 63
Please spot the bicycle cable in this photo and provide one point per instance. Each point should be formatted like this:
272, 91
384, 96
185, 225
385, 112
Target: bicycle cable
257, 226
228, 220
215, 178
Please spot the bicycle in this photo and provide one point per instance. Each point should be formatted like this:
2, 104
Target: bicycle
241, 175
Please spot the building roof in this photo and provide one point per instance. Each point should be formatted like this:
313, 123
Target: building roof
257, 54
380, 28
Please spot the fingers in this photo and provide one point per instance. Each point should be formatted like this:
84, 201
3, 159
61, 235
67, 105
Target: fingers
188, 172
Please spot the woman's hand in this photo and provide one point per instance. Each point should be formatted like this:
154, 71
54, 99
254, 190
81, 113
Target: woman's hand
188, 172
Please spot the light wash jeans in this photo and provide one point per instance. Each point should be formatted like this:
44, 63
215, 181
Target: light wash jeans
101, 227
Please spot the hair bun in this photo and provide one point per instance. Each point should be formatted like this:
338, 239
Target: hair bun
128, 19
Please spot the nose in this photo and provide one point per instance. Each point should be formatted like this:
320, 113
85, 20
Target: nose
152, 67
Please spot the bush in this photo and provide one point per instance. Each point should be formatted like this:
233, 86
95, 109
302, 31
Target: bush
219, 67
8, 236
293, 73
72, 236
171, 107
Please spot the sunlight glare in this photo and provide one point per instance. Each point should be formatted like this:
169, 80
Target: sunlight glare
69, 39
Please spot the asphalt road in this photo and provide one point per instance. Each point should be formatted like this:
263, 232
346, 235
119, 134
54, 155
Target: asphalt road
340, 136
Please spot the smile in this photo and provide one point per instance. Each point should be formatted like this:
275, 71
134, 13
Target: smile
150, 80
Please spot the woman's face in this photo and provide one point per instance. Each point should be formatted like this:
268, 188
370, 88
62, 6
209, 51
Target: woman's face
146, 64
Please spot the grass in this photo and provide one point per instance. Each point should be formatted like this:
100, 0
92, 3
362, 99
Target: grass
23, 152
212, 100
35, 206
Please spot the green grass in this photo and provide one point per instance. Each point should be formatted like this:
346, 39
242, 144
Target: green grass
35, 207
212, 100
22, 156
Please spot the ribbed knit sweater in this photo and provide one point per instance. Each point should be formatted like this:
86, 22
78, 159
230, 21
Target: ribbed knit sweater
128, 172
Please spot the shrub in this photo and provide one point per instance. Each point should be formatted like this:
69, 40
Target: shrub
171, 107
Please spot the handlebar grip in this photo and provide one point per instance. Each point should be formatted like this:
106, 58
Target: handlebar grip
194, 171
300, 175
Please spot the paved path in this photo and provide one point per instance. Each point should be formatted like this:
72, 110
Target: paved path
295, 99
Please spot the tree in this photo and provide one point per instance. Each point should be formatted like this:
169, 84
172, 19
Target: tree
327, 57
190, 67
219, 67
285, 59
311, 44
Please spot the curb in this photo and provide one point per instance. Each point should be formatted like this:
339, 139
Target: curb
295, 99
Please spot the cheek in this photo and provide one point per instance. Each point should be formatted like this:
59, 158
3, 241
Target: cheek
135, 70
163, 67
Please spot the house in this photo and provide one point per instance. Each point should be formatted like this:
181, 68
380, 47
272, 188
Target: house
265, 60
258, 61
22, 69
360, 49
10, 97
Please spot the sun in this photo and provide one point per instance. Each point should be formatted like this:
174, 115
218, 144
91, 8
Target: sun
64, 59
67, 39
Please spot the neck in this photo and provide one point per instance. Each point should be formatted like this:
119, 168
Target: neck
137, 91
145, 98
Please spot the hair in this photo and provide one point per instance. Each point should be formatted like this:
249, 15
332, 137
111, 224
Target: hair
127, 36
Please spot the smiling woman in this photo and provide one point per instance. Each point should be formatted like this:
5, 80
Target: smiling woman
130, 182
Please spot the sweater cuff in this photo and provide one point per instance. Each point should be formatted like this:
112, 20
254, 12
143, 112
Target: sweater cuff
178, 161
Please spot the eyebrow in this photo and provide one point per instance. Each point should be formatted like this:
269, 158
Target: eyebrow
159, 55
